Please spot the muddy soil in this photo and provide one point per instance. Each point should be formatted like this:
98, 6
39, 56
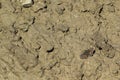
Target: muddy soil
52, 40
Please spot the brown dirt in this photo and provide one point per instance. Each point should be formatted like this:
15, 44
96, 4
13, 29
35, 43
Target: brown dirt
45, 41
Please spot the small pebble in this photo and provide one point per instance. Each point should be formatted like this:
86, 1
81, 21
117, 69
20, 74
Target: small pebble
39, 6
60, 10
110, 54
27, 3
50, 48
115, 72
118, 61
87, 53
63, 28
83, 56
17, 38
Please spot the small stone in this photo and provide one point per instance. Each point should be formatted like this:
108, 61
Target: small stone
50, 48
118, 61
87, 53
27, 3
39, 6
110, 55
49, 26
83, 56
17, 38
24, 27
36, 46
115, 72
109, 52
60, 10
63, 28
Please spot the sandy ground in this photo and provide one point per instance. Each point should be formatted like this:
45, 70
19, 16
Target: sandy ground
46, 40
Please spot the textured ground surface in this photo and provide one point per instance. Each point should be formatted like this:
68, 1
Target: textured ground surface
45, 41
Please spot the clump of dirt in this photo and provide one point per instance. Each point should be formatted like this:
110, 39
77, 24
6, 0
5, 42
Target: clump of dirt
60, 40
